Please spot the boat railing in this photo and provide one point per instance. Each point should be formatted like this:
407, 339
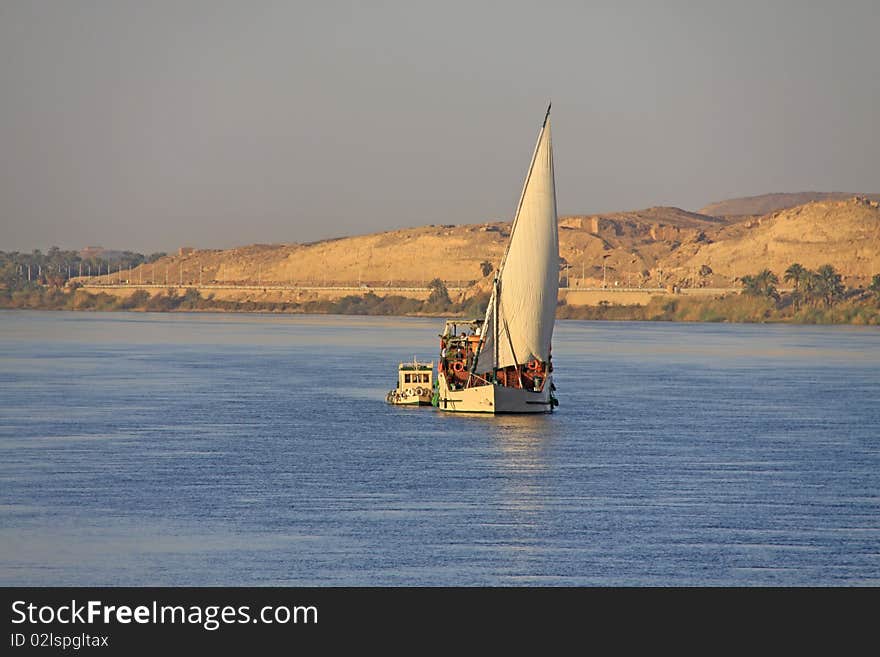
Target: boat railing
416, 366
479, 378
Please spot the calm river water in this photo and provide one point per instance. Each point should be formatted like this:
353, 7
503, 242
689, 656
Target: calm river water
212, 449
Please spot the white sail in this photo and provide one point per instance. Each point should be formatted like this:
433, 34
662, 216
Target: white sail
521, 314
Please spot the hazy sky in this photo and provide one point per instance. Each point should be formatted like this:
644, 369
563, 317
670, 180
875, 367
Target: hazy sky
149, 125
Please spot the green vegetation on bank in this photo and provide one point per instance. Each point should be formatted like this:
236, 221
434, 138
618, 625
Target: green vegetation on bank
56, 266
815, 298
729, 308
41, 297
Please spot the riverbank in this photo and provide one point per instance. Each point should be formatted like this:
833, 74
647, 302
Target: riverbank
861, 309
735, 308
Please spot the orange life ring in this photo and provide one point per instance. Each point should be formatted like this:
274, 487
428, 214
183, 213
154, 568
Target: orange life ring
533, 365
458, 366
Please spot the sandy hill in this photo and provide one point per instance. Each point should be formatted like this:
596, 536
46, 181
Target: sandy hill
632, 241
629, 243
404, 257
642, 247
845, 234
767, 203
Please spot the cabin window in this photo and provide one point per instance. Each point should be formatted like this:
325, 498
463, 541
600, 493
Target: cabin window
406, 378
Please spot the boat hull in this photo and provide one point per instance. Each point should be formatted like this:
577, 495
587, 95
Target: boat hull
494, 399
410, 397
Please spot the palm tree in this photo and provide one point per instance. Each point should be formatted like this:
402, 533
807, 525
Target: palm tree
750, 286
811, 287
831, 286
439, 292
762, 284
798, 275
769, 281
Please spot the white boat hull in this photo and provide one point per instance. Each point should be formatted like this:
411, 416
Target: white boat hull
409, 397
492, 398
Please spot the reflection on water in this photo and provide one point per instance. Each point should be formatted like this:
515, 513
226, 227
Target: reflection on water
240, 449
521, 442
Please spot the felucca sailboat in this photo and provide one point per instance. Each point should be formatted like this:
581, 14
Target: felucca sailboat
502, 363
